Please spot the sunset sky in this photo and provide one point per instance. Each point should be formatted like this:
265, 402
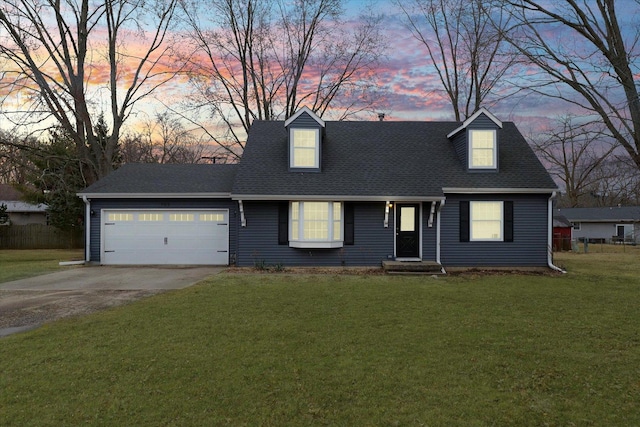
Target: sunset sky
412, 89
416, 88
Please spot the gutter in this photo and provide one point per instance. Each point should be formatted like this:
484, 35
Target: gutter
87, 228
550, 234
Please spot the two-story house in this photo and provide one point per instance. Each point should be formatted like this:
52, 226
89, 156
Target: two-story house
313, 193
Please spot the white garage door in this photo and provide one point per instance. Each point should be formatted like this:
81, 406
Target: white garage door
197, 237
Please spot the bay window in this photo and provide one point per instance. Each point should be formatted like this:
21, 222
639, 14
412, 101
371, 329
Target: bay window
315, 224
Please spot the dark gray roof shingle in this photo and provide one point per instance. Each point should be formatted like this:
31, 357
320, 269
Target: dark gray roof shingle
607, 214
410, 159
160, 178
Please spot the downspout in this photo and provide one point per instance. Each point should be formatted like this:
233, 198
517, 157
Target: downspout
87, 229
438, 236
550, 234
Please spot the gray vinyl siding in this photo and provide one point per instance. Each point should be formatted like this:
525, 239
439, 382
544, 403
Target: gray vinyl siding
482, 122
530, 235
460, 145
603, 230
98, 204
304, 120
258, 241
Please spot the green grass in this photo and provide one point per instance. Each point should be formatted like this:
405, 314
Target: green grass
18, 264
279, 350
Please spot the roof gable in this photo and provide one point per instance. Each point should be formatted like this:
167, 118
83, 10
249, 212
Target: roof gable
300, 112
472, 118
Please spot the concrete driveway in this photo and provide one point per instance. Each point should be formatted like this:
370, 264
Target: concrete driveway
28, 303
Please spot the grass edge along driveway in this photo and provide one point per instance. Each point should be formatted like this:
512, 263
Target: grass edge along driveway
345, 350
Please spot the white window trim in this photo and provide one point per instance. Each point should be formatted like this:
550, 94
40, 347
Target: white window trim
576, 226
317, 244
471, 221
495, 149
317, 149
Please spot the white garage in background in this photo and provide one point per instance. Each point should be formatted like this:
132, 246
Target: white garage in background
153, 236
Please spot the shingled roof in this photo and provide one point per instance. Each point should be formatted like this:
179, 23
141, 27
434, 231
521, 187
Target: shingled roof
385, 160
157, 179
606, 214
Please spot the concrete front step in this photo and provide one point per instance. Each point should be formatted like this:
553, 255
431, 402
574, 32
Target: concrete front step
412, 267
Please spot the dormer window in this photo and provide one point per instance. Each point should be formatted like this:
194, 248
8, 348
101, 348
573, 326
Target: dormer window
476, 141
304, 148
305, 141
483, 153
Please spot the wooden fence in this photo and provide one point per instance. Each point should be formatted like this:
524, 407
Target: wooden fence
37, 236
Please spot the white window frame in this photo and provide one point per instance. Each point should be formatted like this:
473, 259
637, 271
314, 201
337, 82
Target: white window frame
500, 238
577, 226
330, 242
292, 148
494, 164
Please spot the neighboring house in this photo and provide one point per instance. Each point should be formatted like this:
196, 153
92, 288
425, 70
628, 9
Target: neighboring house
562, 233
314, 193
605, 225
21, 213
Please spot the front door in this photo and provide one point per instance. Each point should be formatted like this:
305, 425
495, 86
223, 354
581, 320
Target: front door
407, 230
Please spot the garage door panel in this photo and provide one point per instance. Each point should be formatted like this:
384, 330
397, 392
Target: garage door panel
166, 237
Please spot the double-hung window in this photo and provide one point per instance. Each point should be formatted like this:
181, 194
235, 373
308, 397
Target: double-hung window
486, 220
316, 224
483, 152
304, 151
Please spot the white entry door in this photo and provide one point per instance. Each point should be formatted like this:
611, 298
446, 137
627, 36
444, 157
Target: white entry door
194, 237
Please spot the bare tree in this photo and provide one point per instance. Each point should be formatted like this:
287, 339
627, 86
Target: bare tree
464, 42
171, 142
575, 153
263, 59
13, 159
69, 59
616, 182
585, 57
164, 139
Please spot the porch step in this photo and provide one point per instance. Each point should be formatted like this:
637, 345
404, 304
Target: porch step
412, 267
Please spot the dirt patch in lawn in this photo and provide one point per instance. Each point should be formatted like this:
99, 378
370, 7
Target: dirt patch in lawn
25, 310
460, 272
362, 271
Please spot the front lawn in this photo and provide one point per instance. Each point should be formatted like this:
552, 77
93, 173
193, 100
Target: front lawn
17, 263
279, 349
